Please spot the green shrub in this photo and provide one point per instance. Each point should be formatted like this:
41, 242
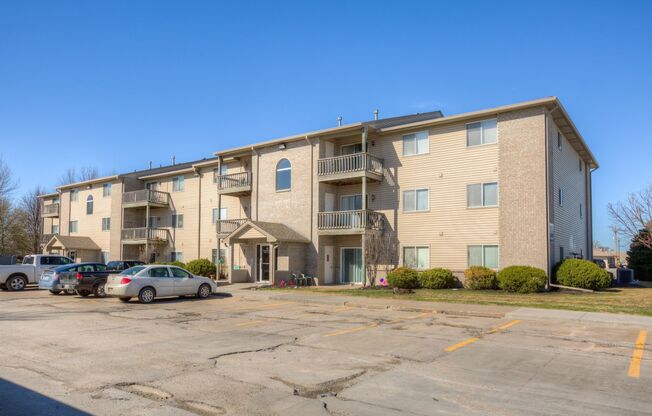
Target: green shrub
583, 274
403, 278
202, 267
522, 279
480, 278
436, 279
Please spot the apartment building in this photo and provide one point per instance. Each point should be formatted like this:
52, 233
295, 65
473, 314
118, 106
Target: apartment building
497, 187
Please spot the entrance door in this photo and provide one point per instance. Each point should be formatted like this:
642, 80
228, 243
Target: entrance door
329, 277
351, 270
262, 260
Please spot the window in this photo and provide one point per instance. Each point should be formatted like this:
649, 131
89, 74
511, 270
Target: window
482, 195
222, 170
283, 175
157, 272
152, 186
416, 200
106, 190
73, 226
482, 132
106, 224
581, 211
177, 272
89, 205
580, 164
105, 259
416, 257
351, 202
559, 141
177, 220
73, 195
560, 194
55, 229
214, 258
221, 212
486, 256
176, 256
350, 149
73, 255
153, 222
177, 184
415, 143
561, 253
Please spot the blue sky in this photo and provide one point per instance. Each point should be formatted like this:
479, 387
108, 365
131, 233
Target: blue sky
80, 79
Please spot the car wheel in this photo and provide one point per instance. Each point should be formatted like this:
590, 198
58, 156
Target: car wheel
204, 291
125, 300
147, 295
98, 291
3, 287
16, 283
83, 293
70, 291
55, 292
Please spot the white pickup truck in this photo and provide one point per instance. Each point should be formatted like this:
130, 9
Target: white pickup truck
18, 276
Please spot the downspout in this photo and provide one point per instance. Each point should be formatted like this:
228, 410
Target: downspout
548, 259
312, 186
199, 175
253, 150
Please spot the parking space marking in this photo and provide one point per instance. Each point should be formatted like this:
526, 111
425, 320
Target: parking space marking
375, 324
637, 355
474, 339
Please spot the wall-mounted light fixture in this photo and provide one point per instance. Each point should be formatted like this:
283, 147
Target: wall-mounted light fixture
282, 146
373, 197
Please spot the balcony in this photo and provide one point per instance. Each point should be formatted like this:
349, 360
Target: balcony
234, 184
144, 235
226, 227
349, 222
50, 211
349, 169
145, 197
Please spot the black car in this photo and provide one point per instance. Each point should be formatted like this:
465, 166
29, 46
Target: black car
86, 278
120, 265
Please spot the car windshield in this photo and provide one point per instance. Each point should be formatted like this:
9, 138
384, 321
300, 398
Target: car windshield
133, 270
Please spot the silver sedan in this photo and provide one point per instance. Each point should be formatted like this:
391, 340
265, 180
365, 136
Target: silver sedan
157, 281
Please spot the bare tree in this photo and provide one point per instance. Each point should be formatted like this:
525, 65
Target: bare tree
381, 250
634, 215
7, 182
30, 205
71, 175
12, 235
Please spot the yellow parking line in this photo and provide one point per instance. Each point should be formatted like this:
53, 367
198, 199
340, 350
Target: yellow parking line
637, 355
363, 327
474, 339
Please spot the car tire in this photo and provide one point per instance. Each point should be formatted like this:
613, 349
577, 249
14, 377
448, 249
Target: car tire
84, 293
204, 291
16, 283
125, 300
98, 291
69, 291
147, 295
55, 292
3, 287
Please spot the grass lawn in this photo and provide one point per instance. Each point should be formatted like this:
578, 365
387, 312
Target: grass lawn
636, 301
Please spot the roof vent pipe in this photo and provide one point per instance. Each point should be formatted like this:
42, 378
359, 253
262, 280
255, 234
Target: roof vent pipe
150, 164
339, 121
174, 160
376, 114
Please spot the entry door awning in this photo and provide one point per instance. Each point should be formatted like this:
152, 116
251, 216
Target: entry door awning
67, 242
270, 232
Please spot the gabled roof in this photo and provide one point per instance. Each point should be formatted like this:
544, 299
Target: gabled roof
272, 232
69, 242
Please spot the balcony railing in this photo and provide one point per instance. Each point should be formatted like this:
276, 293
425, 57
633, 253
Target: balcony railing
350, 220
226, 227
145, 196
50, 210
357, 162
145, 234
234, 181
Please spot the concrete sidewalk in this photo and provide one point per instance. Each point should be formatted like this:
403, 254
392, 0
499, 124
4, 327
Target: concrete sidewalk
456, 309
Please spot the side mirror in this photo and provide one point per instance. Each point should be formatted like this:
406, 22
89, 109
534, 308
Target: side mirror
192, 276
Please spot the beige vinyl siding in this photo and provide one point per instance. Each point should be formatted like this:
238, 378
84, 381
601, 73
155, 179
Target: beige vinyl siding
570, 231
91, 225
448, 227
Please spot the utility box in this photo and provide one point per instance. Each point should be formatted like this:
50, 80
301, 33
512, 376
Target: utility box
624, 276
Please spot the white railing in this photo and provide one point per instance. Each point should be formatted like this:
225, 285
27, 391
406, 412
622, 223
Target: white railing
350, 163
234, 180
145, 233
50, 209
225, 227
355, 219
145, 195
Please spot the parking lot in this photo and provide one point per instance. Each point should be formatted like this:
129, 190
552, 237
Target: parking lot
234, 355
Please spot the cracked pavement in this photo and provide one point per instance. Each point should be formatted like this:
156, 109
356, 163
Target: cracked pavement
245, 355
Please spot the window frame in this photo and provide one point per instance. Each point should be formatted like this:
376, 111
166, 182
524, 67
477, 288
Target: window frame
276, 173
178, 183
52, 228
70, 228
482, 195
176, 256
90, 200
482, 129
416, 143
74, 195
175, 221
106, 190
560, 196
416, 256
106, 223
560, 141
482, 251
416, 202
